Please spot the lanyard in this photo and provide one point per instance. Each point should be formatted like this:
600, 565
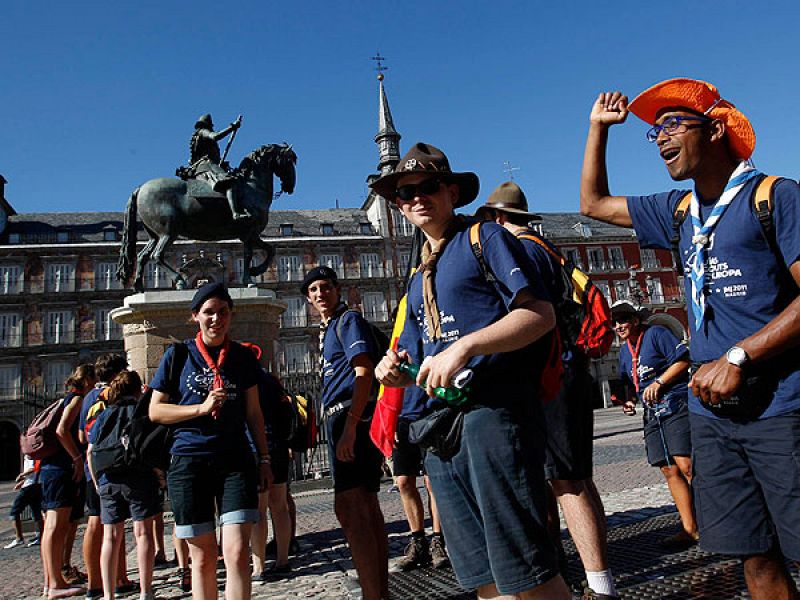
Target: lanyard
635, 359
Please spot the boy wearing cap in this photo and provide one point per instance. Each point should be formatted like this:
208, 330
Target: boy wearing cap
348, 354
744, 399
490, 493
569, 418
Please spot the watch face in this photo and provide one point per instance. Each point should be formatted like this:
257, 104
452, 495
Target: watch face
737, 356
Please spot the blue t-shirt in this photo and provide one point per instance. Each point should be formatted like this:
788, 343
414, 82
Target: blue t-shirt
659, 349
89, 400
207, 436
746, 289
61, 460
414, 401
338, 376
468, 302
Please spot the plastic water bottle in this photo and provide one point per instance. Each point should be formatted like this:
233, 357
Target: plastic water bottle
456, 395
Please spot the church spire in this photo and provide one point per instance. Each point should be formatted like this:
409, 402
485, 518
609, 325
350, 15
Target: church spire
387, 138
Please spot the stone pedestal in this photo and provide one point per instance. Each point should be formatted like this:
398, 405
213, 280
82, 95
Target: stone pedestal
152, 320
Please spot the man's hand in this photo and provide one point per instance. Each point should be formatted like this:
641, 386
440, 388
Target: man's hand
716, 381
439, 370
237, 123
651, 393
629, 408
388, 372
610, 108
345, 448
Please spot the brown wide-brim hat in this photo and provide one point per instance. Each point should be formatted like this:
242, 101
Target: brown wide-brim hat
701, 97
508, 197
424, 158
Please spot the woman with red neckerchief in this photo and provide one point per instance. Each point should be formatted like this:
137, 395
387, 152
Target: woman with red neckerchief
212, 473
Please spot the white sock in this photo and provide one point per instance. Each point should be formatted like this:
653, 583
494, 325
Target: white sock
601, 582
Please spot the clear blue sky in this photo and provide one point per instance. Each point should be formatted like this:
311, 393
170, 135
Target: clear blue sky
98, 97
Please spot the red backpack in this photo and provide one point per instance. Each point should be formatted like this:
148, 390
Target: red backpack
40, 440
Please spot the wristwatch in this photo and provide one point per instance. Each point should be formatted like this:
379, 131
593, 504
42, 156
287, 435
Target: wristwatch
737, 356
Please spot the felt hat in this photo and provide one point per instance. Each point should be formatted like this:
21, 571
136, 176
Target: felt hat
625, 308
424, 158
703, 98
508, 197
210, 290
316, 274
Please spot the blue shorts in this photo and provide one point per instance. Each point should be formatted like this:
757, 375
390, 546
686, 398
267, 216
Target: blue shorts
365, 471
93, 508
200, 486
665, 437
492, 503
28, 497
58, 489
135, 497
747, 484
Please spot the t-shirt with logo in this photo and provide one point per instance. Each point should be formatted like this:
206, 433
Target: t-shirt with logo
746, 286
338, 376
468, 302
659, 350
206, 435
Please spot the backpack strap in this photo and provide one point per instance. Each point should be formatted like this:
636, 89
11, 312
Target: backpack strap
681, 210
180, 352
535, 238
477, 250
763, 203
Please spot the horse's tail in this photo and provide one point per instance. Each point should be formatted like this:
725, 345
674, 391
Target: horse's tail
127, 248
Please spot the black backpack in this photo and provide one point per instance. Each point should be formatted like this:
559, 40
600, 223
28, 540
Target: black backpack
382, 341
150, 443
111, 451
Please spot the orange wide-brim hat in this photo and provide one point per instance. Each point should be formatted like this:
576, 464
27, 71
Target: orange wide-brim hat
701, 97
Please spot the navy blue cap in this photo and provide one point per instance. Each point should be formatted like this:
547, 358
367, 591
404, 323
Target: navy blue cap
210, 290
318, 273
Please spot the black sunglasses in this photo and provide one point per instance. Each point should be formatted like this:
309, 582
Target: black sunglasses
406, 193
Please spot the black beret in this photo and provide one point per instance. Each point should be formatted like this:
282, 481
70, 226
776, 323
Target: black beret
318, 273
210, 290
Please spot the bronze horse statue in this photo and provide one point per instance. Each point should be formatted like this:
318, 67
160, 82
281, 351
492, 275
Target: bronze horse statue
170, 208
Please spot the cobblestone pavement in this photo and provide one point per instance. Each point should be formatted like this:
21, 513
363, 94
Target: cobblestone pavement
636, 500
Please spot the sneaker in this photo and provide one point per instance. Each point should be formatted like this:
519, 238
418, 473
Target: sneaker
35, 542
185, 579
590, 594
416, 555
14, 544
393, 489
94, 594
439, 558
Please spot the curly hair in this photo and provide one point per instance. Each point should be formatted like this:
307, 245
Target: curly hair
82, 377
126, 384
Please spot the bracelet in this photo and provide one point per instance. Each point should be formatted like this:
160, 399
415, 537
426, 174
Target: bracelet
77, 458
659, 381
351, 415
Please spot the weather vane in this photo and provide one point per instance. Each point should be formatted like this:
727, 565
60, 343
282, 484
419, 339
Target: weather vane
379, 67
508, 168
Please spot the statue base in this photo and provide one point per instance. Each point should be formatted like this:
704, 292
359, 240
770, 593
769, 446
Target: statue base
152, 320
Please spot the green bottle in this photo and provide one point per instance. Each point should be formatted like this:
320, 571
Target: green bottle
454, 396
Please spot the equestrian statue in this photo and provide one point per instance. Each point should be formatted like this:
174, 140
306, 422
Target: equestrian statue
209, 202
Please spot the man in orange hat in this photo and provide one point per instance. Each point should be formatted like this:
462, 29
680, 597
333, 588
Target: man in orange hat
741, 281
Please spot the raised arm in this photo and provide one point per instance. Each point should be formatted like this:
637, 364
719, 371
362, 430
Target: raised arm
218, 135
597, 202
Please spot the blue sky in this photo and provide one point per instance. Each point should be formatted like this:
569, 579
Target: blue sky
98, 97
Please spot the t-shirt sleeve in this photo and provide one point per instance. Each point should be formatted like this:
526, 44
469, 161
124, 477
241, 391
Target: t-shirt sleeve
160, 380
625, 366
410, 338
355, 335
512, 267
652, 218
786, 216
670, 347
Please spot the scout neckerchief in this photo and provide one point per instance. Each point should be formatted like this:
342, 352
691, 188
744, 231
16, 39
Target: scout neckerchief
635, 359
323, 328
702, 233
214, 365
430, 256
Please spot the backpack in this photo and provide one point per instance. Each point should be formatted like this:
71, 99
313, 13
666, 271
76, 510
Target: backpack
304, 431
380, 339
111, 451
39, 440
151, 443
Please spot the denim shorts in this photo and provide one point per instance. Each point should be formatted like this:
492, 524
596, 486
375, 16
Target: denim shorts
58, 489
200, 487
492, 503
135, 497
747, 484
29, 496
365, 471
665, 437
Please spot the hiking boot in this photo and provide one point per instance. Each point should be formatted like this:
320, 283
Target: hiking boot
439, 558
417, 555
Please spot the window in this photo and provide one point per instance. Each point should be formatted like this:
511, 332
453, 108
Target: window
649, 259
403, 260
616, 258
156, 276
621, 289
366, 228
105, 277
287, 229
10, 380
10, 279
290, 268
56, 373
106, 329
334, 261
59, 327
10, 330
110, 235
402, 226
374, 304
605, 288
596, 259
574, 256
62, 236
295, 315
583, 229
14, 238
655, 291
297, 358
60, 277
370, 264
327, 229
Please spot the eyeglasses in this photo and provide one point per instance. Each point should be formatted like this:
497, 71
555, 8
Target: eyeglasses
621, 320
673, 125
406, 193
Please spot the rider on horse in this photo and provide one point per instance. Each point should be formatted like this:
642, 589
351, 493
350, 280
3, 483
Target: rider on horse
207, 164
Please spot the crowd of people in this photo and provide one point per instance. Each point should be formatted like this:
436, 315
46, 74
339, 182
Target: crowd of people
721, 414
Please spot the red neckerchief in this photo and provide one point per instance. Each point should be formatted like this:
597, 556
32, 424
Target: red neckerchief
215, 366
635, 359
